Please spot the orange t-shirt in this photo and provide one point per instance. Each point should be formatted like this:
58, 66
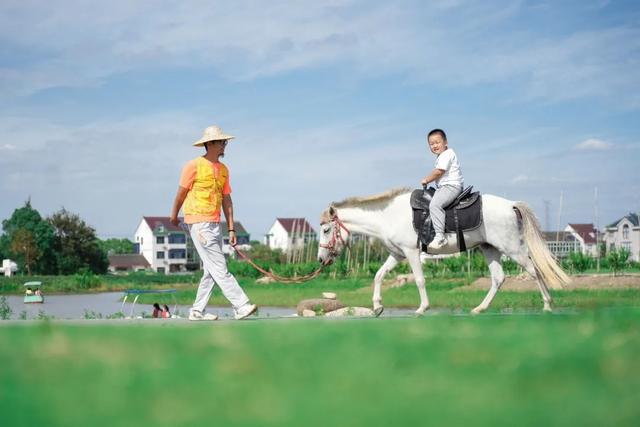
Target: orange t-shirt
212, 183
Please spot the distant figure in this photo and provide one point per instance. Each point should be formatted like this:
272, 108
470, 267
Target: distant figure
157, 311
165, 312
29, 291
38, 293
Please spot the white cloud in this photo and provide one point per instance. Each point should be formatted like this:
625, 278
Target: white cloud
593, 144
88, 43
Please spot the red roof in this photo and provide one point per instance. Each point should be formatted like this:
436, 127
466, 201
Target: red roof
586, 231
128, 261
297, 225
155, 221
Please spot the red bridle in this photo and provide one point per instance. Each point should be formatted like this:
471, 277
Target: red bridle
336, 236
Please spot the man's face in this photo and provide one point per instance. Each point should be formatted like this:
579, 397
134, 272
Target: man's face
437, 144
217, 147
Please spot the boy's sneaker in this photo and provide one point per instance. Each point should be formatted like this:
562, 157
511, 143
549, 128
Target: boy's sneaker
197, 315
245, 311
438, 242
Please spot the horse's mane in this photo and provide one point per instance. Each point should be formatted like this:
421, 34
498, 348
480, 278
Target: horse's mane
380, 200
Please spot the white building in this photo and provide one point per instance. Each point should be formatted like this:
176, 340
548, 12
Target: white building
289, 233
119, 263
587, 237
624, 234
169, 249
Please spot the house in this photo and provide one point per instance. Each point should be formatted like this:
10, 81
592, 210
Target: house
128, 262
624, 234
289, 233
561, 243
169, 249
587, 236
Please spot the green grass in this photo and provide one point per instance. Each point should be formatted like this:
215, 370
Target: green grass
438, 370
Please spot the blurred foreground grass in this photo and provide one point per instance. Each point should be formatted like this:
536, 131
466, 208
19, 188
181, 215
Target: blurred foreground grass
438, 370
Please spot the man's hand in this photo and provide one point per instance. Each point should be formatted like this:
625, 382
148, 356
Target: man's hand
424, 181
232, 238
174, 220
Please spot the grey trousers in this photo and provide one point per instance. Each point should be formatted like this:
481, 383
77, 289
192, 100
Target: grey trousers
207, 240
442, 197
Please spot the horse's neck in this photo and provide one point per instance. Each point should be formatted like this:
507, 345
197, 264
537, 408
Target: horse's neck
357, 220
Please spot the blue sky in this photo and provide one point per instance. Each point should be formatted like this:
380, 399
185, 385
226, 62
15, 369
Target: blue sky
99, 103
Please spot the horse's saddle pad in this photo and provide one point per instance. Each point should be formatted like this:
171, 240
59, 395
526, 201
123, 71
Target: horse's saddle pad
464, 213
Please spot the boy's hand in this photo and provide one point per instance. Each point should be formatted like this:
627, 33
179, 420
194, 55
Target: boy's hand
424, 181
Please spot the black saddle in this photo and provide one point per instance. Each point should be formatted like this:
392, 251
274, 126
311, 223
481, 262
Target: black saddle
464, 213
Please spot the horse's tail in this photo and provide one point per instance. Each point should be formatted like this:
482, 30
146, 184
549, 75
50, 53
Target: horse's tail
543, 260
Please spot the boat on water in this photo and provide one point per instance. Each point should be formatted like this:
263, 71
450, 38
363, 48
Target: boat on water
33, 293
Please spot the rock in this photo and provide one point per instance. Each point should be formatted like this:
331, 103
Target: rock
308, 313
265, 280
403, 279
351, 311
329, 295
318, 305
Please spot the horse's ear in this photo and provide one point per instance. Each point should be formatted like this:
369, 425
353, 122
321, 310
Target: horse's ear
332, 211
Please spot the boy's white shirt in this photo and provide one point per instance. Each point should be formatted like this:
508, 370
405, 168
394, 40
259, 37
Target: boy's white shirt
448, 161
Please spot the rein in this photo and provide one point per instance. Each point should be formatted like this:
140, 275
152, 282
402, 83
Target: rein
331, 246
277, 278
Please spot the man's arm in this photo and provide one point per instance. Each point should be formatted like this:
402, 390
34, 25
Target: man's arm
434, 175
227, 208
177, 204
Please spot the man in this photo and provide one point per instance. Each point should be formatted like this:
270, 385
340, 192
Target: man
204, 189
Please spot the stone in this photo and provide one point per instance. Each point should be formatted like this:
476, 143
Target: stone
265, 280
351, 311
329, 295
308, 313
318, 305
403, 279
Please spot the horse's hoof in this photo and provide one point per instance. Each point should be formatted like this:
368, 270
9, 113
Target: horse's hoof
420, 311
378, 311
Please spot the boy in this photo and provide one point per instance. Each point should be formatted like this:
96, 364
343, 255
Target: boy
449, 182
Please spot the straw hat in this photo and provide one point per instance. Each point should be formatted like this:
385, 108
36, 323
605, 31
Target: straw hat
212, 133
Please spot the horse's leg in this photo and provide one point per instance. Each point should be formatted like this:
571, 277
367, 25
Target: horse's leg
497, 276
526, 263
413, 256
388, 265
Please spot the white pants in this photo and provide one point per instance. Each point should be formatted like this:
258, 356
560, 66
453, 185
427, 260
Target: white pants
442, 197
207, 240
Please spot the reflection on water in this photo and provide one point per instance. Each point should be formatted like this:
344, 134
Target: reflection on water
109, 303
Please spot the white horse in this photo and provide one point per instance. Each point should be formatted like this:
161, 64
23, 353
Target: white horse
508, 228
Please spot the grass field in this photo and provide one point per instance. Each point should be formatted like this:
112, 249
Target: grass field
578, 369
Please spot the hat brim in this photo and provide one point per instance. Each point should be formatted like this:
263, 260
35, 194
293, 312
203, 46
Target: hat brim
202, 141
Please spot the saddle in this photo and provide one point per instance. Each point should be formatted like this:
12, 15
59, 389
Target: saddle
463, 214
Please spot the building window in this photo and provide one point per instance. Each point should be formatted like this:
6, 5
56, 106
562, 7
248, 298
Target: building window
160, 239
612, 247
160, 255
177, 239
160, 270
625, 232
627, 246
177, 254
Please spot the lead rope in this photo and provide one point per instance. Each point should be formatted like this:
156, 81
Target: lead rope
277, 278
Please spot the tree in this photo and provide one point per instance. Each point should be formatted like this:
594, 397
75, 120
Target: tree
29, 219
23, 243
618, 260
116, 246
76, 245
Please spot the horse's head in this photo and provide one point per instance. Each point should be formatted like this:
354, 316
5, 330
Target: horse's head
333, 236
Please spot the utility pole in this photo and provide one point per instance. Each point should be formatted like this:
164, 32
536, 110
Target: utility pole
547, 205
597, 227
